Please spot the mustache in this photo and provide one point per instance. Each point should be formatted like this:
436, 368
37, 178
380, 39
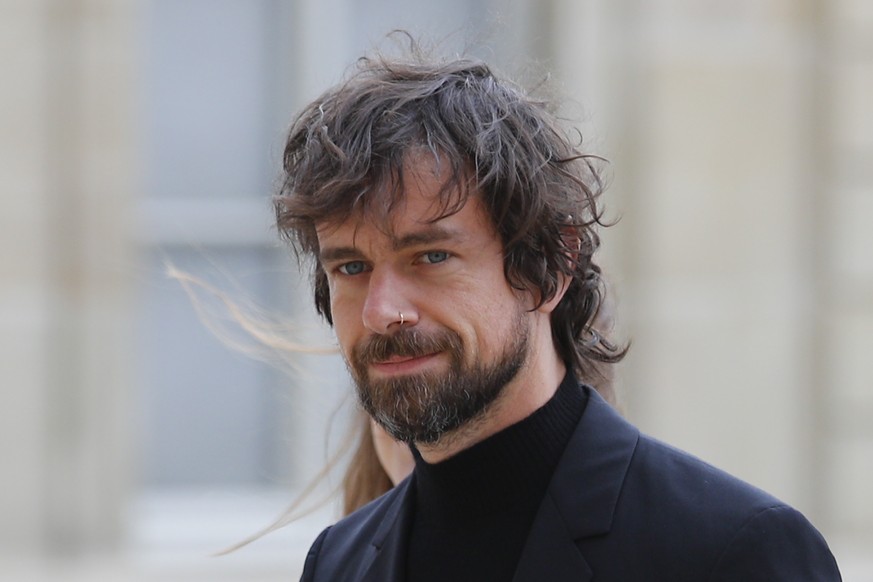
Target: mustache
409, 343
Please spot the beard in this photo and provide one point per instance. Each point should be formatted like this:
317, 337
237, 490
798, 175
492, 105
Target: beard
423, 407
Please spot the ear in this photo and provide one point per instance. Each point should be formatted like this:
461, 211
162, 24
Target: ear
573, 245
563, 284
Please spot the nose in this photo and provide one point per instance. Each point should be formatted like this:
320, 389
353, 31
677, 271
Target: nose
387, 306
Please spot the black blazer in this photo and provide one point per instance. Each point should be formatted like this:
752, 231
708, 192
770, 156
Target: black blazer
621, 507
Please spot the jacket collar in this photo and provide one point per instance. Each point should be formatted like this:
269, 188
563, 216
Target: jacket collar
590, 475
580, 502
582, 496
388, 548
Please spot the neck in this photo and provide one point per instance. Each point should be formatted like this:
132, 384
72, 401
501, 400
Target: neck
532, 387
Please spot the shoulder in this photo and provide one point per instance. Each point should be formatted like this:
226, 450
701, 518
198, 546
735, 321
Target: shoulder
674, 476
777, 543
640, 506
723, 527
342, 550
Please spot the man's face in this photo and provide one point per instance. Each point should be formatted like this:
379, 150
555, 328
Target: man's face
464, 332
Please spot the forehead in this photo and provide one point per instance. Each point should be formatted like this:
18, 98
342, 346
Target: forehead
426, 196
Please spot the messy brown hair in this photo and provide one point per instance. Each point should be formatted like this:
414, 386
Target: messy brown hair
345, 156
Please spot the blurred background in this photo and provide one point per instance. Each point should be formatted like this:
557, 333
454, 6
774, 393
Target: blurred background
140, 133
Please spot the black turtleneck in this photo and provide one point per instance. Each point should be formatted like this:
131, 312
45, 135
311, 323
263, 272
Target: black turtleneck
473, 511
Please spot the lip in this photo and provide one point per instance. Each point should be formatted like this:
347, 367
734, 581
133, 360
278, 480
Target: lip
399, 365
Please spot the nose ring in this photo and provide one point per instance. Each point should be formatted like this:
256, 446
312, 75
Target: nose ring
402, 320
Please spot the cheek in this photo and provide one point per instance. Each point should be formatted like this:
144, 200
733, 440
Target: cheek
480, 314
486, 298
343, 301
495, 318
346, 322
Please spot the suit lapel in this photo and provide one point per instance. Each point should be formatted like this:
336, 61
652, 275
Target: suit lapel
387, 551
582, 496
550, 553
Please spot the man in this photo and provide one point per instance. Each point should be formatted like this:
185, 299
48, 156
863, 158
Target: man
452, 226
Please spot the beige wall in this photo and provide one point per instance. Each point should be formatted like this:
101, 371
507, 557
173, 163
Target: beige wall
845, 269
740, 135
67, 158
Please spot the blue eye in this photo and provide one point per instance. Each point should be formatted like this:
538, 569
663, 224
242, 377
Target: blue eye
433, 257
352, 268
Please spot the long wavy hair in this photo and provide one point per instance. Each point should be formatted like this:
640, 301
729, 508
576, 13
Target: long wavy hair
345, 156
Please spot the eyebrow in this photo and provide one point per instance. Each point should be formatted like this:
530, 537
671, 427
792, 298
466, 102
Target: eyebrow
432, 234
338, 254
